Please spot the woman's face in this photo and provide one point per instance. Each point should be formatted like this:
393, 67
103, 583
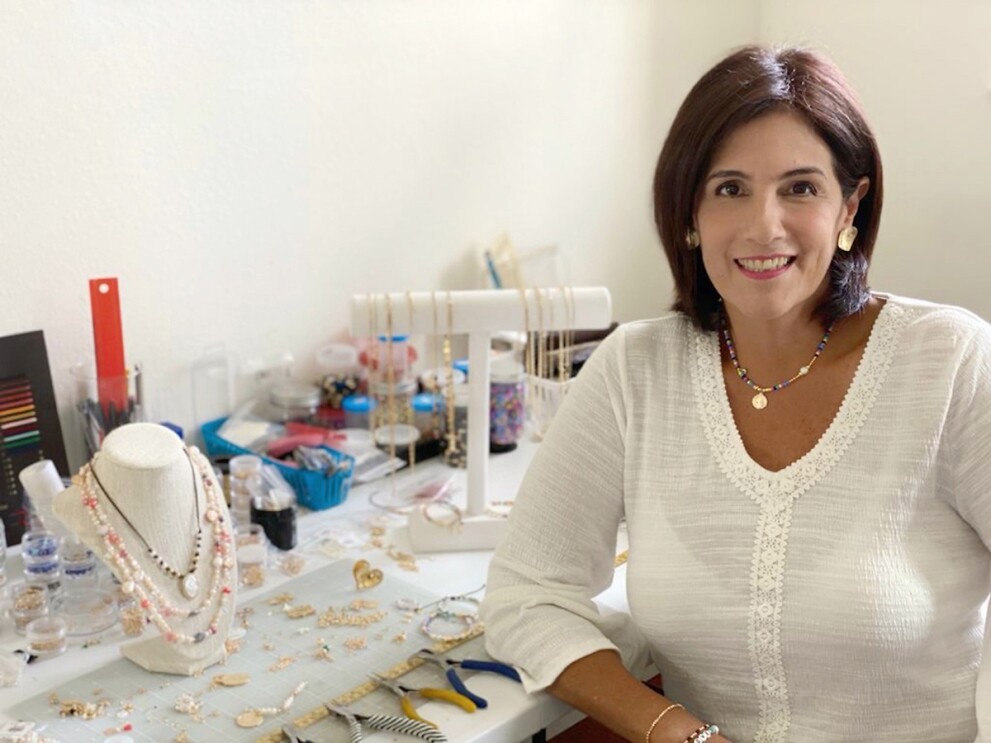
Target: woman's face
769, 215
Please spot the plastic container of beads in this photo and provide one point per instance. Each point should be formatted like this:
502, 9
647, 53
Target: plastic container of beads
39, 548
436, 380
46, 636
393, 400
358, 411
245, 471
457, 456
251, 548
506, 406
78, 563
428, 415
86, 612
27, 602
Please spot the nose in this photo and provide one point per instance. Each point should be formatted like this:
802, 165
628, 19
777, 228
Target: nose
764, 217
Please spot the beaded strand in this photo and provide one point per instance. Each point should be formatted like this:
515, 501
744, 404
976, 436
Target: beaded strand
759, 400
135, 581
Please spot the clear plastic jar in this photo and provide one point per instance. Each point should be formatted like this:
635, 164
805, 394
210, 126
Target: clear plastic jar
358, 411
507, 411
245, 470
456, 451
46, 636
27, 603
292, 401
251, 549
78, 562
402, 394
39, 547
428, 415
402, 358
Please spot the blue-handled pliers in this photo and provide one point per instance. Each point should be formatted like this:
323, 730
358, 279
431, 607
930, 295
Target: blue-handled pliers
455, 681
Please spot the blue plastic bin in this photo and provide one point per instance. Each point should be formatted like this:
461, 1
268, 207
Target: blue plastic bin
314, 490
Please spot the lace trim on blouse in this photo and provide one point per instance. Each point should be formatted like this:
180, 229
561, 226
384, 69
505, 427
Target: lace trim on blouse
776, 492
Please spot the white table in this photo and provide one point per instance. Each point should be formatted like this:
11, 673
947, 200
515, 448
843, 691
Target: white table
511, 716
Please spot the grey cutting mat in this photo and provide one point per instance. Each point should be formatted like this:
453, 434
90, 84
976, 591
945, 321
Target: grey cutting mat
153, 695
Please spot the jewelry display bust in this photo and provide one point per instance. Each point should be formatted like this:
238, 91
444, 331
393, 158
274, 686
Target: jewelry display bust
153, 510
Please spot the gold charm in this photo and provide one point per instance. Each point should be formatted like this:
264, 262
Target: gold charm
249, 719
365, 576
298, 612
230, 679
759, 401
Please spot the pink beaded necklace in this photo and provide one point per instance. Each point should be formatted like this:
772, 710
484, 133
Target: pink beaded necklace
135, 581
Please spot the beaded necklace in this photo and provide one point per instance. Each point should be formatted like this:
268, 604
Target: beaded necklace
135, 581
759, 401
188, 583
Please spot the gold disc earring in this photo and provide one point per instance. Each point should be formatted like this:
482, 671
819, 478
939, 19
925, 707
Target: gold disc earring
845, 241
692, 239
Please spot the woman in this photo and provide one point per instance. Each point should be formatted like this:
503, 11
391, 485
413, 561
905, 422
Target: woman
804, 465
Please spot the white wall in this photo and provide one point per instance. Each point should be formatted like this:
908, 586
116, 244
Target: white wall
923, 71
245, 167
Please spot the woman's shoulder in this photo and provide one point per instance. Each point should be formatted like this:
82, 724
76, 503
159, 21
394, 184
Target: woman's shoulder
671, 328
932, 320
922, 332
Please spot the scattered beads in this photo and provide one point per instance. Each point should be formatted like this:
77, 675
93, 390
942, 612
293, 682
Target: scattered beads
284, 662
347, 618
404, 560
282, 598
298, 612
354, 644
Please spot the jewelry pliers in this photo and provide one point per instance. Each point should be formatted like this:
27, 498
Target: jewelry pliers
386, 722
441, 695
455, 681
292, 734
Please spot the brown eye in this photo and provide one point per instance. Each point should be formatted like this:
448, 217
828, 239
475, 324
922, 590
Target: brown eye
803, 188
728, 189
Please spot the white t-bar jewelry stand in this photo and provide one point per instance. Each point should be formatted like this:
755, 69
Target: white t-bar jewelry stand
479, 314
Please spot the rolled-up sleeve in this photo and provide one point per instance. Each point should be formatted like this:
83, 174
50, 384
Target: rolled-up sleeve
559, 550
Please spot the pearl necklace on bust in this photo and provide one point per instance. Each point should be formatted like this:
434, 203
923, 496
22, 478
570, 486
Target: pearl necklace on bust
135, 581
188, 582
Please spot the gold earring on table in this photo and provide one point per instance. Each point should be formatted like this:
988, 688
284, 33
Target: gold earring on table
845, 241
692, 239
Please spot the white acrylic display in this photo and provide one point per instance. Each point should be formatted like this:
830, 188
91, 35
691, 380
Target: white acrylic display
479, 314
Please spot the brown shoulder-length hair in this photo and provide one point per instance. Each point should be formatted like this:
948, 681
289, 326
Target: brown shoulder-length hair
749, 83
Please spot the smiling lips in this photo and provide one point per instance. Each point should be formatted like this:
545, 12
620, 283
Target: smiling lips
764, 267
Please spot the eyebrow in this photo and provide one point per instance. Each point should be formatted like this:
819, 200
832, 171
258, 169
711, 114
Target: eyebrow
807, 170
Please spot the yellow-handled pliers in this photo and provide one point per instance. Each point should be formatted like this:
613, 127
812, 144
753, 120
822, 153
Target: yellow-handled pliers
441, 695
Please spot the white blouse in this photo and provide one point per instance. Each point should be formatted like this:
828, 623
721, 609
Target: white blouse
843, 598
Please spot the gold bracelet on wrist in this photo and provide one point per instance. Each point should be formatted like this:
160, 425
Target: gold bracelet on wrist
659, 718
